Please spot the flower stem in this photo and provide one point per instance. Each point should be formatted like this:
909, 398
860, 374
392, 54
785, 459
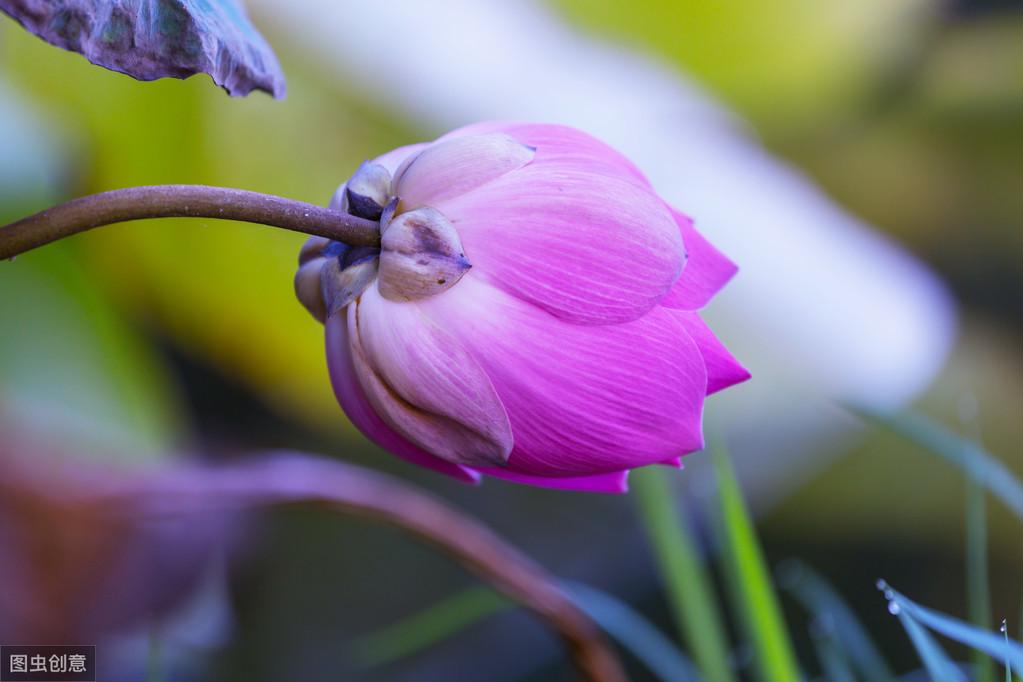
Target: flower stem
183, 201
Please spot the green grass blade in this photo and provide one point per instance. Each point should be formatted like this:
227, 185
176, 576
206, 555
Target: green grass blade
967, 455
978, 588
978, 592
1008, 663
635, 633
826, 606
431, 626
754, 601
689, 589
437, 623
1000, 648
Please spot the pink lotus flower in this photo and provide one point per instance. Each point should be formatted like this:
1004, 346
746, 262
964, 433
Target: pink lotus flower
531, 314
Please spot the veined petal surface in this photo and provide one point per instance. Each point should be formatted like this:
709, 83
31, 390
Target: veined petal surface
562, 146
581, 399
448, 168
707, 269
587, 247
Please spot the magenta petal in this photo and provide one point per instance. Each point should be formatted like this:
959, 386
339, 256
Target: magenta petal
581, 399
723, 370
353, 401
614, 482
706, 270
450, 167
674, 463
424, 384
589, 248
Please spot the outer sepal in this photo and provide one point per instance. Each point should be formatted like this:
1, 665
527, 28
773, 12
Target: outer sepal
421, 256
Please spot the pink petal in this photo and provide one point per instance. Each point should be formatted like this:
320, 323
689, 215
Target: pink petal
423, 383
723, 370
353, 401
585, 246
674, 463
451, 167
614, 482
581, 399
706, 270
563, 146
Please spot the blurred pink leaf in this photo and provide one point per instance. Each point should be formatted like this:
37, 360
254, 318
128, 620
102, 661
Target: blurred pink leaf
76, 567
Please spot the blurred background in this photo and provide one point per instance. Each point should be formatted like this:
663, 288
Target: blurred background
862, 162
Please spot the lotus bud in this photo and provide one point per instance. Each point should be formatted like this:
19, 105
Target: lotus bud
421, 255
573, 350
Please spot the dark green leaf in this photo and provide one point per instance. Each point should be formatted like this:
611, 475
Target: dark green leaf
150, 39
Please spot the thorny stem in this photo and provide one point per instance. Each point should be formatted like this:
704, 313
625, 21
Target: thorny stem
285, 478
183, 201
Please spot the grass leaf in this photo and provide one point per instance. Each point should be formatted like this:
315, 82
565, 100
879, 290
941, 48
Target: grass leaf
755, 603
635, 633
834, 663
689, 589
939, 666
978, 590
419, 631
431, 626
967, 455
1008, 664
993, 644
826, 606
